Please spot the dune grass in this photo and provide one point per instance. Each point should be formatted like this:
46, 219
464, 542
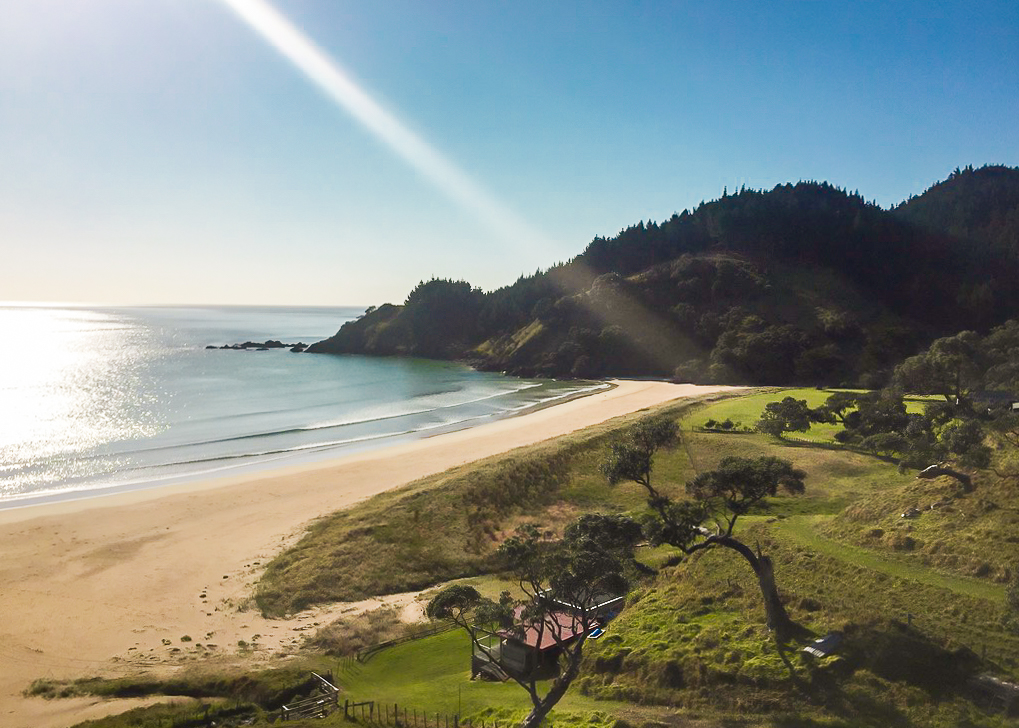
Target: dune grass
446, 526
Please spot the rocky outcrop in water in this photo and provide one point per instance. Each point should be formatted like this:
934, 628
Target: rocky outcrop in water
261, 346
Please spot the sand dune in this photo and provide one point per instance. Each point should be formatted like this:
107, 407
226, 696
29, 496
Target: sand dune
109, 585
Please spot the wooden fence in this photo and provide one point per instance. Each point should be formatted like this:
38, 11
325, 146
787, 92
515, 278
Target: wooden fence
318, 706
369, 652
392, 714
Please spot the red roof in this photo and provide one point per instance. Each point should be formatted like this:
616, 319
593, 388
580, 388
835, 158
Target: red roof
560, 627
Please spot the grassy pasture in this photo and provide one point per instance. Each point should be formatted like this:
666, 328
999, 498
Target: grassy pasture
748, 410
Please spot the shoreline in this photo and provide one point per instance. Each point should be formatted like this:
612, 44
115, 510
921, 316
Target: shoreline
109, 585
310, 458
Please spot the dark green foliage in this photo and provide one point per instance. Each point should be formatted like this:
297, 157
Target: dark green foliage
977, 204
789, 415
876, 413
839, 289
604, 532
588, 562
959, 368
952, 367
945, 431
439, 319
964, 441
767, 356
442, 317
454, 602
633, 457
1001, 354
835, 408
738, 484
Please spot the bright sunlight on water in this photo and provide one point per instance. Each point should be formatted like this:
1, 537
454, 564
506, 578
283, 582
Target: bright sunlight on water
96, 398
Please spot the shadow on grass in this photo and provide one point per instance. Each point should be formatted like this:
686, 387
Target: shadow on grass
838, 447
875, 658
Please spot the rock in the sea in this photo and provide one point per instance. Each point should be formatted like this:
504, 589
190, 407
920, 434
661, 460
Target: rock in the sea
261, 346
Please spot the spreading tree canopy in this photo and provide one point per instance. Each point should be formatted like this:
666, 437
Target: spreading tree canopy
789, 415
717, 498
562, 579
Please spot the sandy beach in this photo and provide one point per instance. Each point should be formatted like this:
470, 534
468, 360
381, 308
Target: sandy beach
109, 585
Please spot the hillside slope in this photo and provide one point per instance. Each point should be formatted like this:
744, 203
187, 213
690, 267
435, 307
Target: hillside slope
980, 205
804, 283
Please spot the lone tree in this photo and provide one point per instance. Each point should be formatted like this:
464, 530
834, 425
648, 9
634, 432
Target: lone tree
718, 497
953, 366
835, 408
789, 415
562, 580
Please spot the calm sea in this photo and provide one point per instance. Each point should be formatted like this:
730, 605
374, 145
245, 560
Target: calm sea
94, 400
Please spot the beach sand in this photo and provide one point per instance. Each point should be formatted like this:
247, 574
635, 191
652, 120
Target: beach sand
109, 585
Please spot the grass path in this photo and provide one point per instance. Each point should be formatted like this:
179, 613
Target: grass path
802, 530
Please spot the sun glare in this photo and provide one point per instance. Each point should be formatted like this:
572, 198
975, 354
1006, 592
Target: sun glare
337, 84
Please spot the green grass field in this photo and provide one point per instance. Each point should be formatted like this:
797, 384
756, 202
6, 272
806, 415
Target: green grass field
748, 410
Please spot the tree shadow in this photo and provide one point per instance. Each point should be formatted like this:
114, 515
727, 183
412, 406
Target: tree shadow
892, 652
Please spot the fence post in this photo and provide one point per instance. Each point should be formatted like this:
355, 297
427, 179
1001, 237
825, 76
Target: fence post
346, 703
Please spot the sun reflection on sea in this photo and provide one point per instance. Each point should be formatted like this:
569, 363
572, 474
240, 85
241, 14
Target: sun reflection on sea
70, 387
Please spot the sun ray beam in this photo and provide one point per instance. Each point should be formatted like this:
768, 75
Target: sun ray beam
330, 77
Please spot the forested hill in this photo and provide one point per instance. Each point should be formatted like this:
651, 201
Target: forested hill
981, 205
804, 283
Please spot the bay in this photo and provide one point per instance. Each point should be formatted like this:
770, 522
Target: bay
97, 400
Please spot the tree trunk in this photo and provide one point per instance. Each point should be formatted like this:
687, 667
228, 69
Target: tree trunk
778, 619
935, 471
559, 688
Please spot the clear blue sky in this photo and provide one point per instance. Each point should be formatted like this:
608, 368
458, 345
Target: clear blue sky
164, 152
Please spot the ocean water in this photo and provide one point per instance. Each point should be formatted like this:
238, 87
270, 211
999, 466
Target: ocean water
95, 400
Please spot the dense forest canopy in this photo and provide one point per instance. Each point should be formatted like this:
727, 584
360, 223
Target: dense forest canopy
980, 205
805, 283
